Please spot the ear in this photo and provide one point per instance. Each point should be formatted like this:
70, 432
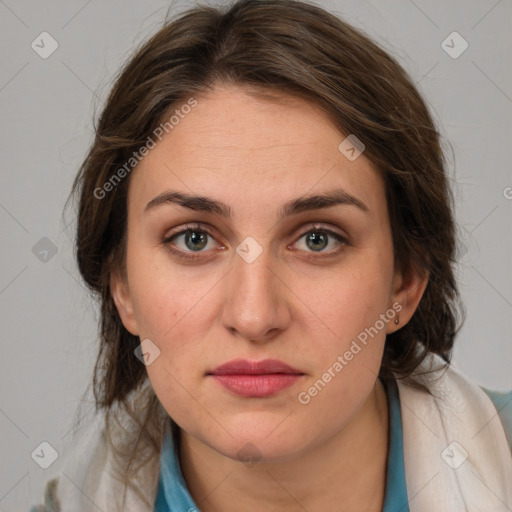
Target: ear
408, 289
121, 295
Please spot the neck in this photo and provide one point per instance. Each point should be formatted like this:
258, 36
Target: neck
348, 472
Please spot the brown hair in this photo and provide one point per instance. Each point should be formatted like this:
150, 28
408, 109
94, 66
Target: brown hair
299, 49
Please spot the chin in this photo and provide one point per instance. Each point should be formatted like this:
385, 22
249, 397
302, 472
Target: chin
261, 451
257, 440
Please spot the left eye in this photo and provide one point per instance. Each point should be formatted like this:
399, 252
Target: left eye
317, 239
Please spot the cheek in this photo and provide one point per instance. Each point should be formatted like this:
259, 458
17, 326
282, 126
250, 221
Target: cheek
350, 298
175, 308
354, 309
349, 355
163, 292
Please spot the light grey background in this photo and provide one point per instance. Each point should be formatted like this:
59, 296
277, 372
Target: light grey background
49, 323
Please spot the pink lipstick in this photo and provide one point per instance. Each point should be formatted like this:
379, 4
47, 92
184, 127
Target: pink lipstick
255, 379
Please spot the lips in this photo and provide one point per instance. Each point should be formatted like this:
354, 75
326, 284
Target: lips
255, 379
244, 367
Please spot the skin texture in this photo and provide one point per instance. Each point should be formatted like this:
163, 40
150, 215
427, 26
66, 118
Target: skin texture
255, 155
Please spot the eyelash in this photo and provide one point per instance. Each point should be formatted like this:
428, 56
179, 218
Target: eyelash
199, 228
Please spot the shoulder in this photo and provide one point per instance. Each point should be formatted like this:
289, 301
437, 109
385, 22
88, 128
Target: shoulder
459, 399
91, 476
78, 472
449, 423
503, 403
51, 501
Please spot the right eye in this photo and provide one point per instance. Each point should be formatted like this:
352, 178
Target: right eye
194, 238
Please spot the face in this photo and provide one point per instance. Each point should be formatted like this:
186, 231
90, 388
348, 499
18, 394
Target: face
261, 274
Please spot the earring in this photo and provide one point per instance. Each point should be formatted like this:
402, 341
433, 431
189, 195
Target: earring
397, 321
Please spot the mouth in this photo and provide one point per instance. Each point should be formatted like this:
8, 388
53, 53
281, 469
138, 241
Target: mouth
255, 379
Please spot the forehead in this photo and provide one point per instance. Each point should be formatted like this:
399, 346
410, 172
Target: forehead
252, 152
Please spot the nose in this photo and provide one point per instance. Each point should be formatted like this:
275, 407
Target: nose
255, 306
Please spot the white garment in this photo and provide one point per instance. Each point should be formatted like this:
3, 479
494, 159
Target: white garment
456, 453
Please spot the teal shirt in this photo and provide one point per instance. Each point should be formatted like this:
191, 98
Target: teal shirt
173, 489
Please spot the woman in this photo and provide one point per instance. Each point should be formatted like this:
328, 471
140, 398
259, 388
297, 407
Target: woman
266, 218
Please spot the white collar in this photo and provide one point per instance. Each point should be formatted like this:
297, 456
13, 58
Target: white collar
456, 453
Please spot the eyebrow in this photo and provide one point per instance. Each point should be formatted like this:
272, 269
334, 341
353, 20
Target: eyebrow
293, 207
